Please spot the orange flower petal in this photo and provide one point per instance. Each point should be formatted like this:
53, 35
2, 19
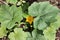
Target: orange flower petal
29, 19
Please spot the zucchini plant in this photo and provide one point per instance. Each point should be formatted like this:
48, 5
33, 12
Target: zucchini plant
41, 21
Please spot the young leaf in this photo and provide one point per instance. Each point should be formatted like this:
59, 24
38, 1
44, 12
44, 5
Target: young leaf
18, 34
11, 14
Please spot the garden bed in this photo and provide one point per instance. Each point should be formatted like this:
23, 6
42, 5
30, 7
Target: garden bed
27, 20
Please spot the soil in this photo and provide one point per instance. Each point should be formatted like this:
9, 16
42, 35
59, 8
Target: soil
58, 34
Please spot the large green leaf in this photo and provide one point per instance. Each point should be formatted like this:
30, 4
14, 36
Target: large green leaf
42, 8
10, 15
18, 34
50, 32
39, 23
45, 13
11, 1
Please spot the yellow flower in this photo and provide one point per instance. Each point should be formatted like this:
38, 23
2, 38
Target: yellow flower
29, 19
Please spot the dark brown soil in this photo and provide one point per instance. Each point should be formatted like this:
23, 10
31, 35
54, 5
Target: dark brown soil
4, 38
58, 34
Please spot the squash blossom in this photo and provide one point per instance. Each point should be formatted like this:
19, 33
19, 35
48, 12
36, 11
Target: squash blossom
29, 19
